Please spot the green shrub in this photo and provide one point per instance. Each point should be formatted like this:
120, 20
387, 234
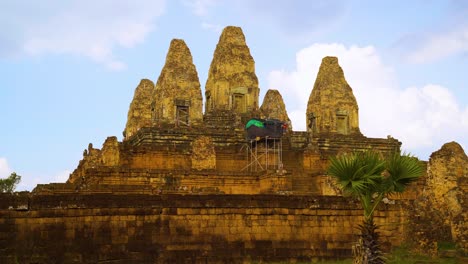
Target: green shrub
8, 185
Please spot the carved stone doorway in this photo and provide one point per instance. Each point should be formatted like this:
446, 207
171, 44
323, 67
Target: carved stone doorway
238, 103
342, 124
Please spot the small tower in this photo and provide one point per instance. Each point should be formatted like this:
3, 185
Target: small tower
177, 99
232, 83
139, 113
273, 107
332, 107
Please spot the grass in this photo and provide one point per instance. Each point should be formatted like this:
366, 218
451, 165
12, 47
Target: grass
446, 245
401, 255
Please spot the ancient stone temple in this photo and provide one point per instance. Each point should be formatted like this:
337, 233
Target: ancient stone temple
187, 187
232, 83
177, 97
332, 107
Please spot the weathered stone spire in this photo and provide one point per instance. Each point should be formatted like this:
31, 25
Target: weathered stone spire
332, 107
139, 114
273, 107
232, 83
447, 178
178, 99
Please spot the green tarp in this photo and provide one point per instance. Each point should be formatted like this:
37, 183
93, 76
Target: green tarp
254, 122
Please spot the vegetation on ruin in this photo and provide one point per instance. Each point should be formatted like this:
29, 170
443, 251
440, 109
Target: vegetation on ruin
370, 178
8, 185
404, 255
400, 255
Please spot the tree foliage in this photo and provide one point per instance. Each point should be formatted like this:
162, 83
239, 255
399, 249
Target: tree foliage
8, 185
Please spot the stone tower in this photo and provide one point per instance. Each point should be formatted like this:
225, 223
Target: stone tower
139, 113
232, 83
177, 98
332, 107
273, 107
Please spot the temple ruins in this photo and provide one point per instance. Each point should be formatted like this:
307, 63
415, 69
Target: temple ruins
186, 186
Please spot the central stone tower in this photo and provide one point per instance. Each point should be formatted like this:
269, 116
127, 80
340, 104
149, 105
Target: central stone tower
232, 83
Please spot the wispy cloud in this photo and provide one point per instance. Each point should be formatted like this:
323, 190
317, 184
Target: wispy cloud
212, 27
440, 45
423, 117
200, 7
295, 18
93, 29
62, 176
447, 38
30, 181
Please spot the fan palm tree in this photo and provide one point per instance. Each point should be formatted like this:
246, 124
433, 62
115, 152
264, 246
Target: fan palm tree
370, 178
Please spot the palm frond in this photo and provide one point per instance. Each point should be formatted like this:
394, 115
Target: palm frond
402, 170
357, 173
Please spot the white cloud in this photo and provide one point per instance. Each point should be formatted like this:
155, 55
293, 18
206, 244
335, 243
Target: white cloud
423, 118
5, 169
440, 45
93, 29
200, 7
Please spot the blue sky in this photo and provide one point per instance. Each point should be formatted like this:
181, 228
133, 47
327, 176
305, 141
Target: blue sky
69, 68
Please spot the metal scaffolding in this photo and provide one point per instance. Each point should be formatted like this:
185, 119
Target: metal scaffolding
264, 154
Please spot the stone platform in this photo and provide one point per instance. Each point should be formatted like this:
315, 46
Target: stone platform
140, 228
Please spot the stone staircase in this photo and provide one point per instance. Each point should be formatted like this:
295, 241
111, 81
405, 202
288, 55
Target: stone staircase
301, 180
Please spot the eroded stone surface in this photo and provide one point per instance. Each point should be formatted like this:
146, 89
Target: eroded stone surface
178, 99
232, 83
332, 107
139, 114
273, 107
446, 186
91, 158
203, 154
110, 153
